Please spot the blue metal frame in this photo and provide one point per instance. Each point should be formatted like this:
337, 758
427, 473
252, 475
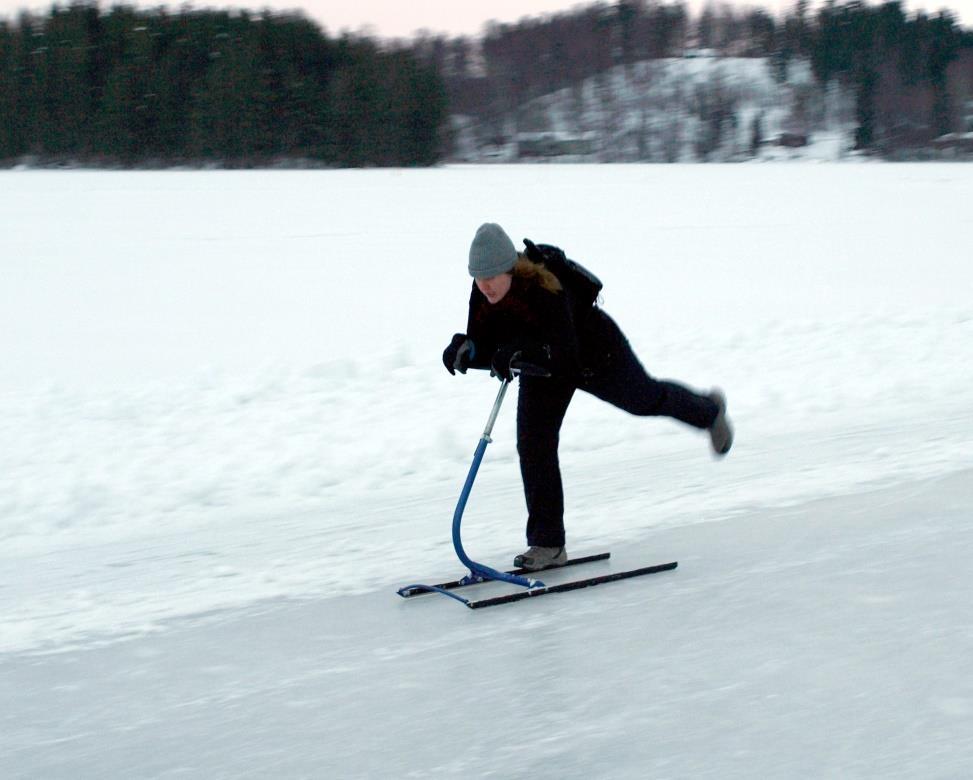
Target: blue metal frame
478, 571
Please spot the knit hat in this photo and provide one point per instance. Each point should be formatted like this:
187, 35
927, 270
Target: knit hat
492, 252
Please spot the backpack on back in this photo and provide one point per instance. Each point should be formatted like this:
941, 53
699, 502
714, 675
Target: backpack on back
574, 276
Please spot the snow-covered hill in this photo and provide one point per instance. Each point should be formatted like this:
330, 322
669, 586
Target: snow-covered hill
685, 109
228, 438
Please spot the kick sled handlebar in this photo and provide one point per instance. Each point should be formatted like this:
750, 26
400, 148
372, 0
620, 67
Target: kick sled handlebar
478, 571
481, 573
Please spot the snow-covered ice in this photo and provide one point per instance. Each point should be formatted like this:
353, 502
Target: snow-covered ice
228, 437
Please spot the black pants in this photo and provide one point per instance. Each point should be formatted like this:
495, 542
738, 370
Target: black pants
617, 377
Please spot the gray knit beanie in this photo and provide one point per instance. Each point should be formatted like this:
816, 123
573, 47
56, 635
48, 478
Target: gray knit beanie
492, 252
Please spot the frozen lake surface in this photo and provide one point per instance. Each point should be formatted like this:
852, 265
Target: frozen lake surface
228, 438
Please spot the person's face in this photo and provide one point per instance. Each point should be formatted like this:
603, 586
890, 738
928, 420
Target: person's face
494, 287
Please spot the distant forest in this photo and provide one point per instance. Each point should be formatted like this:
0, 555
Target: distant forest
129, 87
134, 88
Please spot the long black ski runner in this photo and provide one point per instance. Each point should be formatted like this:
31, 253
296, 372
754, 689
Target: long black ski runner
454, 584
575, 585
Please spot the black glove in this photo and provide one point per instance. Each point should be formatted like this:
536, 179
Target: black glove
500, 365
459, 353
527, 362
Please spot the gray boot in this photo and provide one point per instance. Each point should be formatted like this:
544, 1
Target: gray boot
537, 558
720, 432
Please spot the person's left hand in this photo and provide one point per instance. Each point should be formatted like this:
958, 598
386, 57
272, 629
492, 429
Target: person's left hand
500, 365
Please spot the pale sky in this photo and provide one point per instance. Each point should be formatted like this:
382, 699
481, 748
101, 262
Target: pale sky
401, 18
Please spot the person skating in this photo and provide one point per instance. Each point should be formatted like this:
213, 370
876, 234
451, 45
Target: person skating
529, 308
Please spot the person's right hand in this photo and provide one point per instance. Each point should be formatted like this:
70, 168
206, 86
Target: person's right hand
459, 353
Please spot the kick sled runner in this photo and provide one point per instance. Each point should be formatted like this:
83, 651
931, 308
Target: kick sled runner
479, 573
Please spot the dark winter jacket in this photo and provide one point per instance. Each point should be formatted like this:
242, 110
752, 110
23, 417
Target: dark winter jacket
555, 330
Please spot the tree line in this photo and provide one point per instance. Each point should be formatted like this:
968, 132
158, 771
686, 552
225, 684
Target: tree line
898, 67
131, 87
